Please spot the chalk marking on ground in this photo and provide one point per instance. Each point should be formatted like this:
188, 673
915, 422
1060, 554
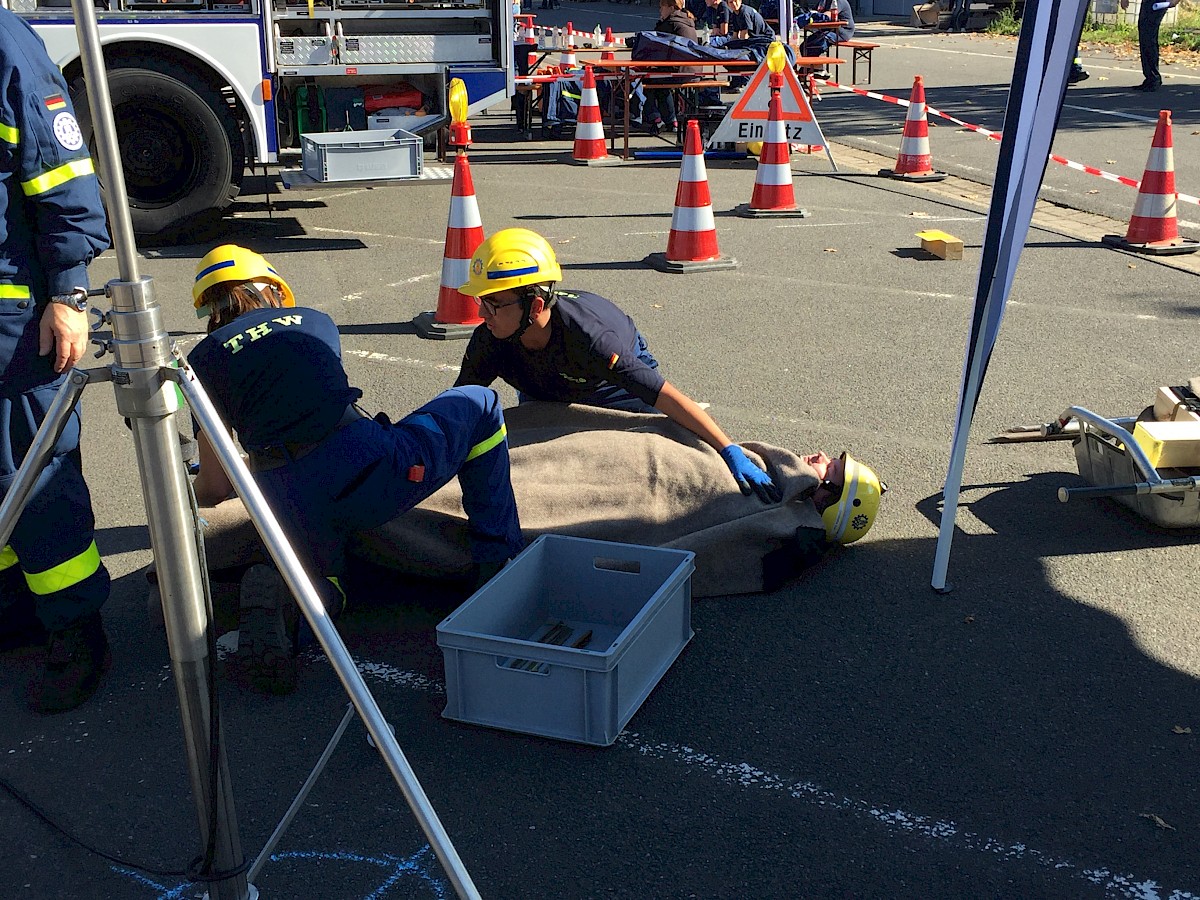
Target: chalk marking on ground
414, 279
372, 356
395, 237
743, 774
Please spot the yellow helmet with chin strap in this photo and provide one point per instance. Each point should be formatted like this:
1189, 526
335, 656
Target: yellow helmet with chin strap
511, 258
231, 263
854, 513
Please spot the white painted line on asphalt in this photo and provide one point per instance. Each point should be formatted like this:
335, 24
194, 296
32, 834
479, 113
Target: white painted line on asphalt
745, 775
372, 356
644, 233
820, 224
1113, 113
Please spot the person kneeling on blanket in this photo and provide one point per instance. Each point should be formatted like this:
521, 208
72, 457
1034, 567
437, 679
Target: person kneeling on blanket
575, 347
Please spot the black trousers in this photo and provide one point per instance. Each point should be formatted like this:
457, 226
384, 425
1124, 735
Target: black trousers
1149, 21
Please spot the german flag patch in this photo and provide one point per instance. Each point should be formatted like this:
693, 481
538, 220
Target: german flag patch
55, 102
612, 360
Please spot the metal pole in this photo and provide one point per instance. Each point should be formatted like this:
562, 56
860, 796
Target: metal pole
310, 604
141, 347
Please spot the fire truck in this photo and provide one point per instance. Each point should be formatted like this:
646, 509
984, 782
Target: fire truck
203, 89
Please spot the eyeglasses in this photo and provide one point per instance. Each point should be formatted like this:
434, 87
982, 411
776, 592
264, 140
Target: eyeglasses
833, 493
493, 308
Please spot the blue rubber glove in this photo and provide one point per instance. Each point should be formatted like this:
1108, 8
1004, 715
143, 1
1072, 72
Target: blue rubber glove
750, 478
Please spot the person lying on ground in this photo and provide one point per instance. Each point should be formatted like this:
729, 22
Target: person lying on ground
575, 347
604, 475
274, 373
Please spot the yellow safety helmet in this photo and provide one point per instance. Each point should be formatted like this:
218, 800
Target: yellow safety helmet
854, 512
229, 262
511, 258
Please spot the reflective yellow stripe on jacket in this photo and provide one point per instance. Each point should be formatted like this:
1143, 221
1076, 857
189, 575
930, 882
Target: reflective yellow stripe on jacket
8, 558
488, 443
9, 134
76, 168
14, 292
66, 574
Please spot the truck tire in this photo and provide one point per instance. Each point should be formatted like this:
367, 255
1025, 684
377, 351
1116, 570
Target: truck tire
181, 152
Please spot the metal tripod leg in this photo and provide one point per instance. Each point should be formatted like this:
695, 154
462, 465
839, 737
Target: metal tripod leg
41, 450
301, 586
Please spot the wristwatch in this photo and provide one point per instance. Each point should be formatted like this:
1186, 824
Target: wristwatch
77, 299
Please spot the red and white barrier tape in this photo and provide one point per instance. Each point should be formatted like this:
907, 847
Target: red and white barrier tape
996, 135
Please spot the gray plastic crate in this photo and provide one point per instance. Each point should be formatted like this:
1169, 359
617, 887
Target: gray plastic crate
361, 155
634, 604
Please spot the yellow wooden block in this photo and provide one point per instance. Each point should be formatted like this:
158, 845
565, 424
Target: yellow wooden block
1169, 445
940, 244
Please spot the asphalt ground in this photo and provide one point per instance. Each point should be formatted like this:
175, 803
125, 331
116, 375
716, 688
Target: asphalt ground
1031, 734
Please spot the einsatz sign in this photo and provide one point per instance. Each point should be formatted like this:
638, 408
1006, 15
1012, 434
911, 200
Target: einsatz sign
746, 120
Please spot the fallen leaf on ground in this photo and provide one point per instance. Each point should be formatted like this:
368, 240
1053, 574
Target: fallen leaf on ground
919, 215
1157, 820
656, 306
1093, 192
1181, 729
1132, 266
831, 249
969, 619
1111, 162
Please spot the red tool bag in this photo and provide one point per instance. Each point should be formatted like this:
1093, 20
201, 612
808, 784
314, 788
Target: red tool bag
387, 96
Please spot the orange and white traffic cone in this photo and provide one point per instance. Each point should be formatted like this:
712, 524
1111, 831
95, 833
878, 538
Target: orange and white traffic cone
774, 195
914, 162
609, 39
589, 146
692, 244
457, 314
1153, 227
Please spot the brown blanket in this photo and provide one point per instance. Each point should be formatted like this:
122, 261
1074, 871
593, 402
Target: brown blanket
606, 475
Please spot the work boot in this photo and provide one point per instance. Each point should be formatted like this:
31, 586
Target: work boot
266, 651
1077, 75
76, 659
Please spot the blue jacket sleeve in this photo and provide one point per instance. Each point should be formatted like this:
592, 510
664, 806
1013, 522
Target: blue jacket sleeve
55, 172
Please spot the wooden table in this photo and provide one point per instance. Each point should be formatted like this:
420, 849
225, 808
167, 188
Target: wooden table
689, 71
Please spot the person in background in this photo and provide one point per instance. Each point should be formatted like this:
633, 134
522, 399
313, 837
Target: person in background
817, 42
716, 18
1150, 16
746, 22
52, 580
575, 347
658, 112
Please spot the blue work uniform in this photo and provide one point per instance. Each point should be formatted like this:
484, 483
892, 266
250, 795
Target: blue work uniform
595, 356
818, 42
750, 20
51, 226
715, 16
275, 376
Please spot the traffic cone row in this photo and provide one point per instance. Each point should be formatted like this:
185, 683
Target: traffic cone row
692, 243
1153, 227
773, 196
914, 162
457, 314
590, 148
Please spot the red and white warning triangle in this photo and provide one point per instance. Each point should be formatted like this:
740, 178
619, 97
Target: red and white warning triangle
746, 120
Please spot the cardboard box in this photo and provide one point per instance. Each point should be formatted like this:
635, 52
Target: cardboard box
925, 15
1176, 404
1169, 445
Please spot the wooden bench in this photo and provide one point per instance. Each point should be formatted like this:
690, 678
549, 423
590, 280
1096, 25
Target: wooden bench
860, 50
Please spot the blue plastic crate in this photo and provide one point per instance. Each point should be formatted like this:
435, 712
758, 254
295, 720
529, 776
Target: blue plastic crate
632, 604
